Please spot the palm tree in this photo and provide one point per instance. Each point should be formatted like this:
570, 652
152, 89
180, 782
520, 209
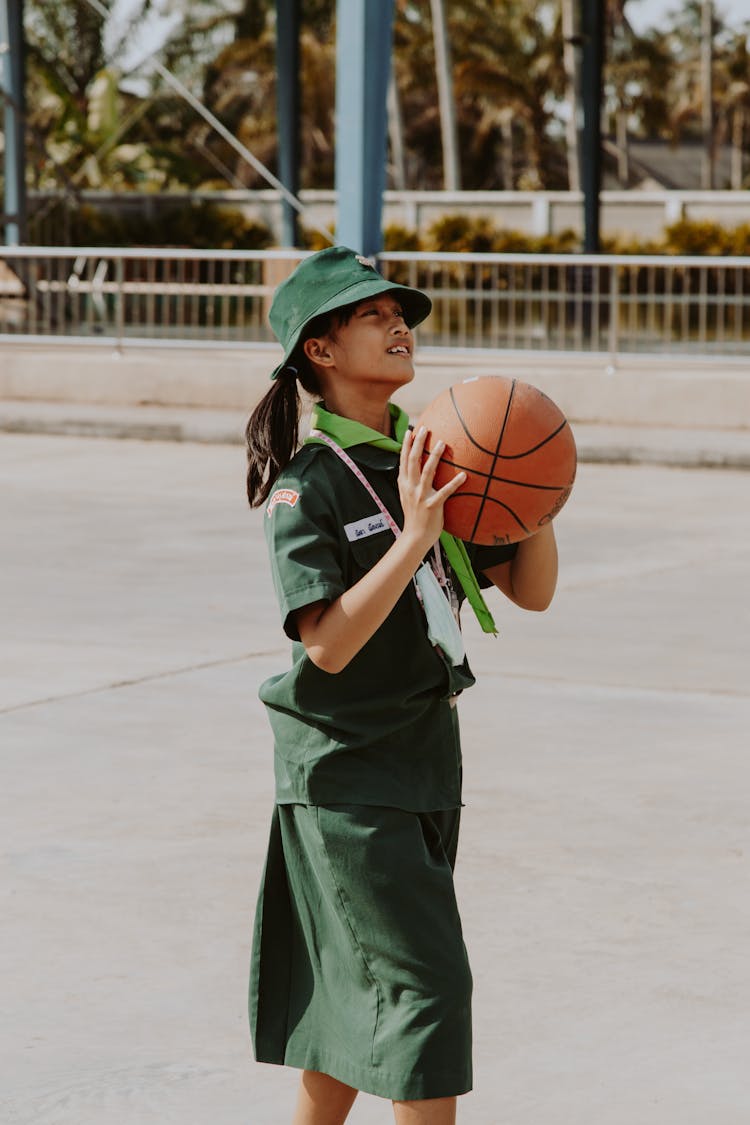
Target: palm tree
637, 74
443, 70
736, 105
65, 52
240, 88
707, 96
569, 23
87, 127
510, 69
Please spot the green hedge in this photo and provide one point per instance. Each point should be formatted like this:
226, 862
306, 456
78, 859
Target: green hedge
464, 234
195, 225
211, 226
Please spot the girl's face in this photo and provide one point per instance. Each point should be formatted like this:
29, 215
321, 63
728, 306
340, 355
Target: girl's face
374, 346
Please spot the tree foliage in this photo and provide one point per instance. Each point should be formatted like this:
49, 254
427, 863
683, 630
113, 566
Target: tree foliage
91, 125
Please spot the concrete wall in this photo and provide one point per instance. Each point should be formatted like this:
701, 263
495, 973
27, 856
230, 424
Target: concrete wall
659, 391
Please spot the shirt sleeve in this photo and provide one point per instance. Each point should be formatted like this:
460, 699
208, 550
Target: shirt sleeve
304, 544
483, 558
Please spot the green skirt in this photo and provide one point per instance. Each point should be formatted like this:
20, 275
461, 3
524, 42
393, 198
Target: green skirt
359, 968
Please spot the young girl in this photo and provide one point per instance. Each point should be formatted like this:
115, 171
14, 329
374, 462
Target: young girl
359, 972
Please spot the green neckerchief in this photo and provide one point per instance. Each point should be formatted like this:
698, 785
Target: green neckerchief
346, 433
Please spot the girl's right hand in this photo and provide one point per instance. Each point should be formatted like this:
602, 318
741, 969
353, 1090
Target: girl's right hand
422, 504
334, 632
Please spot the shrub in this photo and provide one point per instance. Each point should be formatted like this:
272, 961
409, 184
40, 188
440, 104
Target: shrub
461, 233
739, 240
216, 226
397, 237
197, 226
564, 242
690, 237
311, 239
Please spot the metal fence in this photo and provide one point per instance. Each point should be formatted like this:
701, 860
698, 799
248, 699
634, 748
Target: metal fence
546, 302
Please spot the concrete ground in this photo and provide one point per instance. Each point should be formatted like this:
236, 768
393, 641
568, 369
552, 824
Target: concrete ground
604, 874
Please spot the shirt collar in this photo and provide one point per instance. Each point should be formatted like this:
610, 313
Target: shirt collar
346, 432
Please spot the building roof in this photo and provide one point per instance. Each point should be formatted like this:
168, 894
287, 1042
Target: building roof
658, 164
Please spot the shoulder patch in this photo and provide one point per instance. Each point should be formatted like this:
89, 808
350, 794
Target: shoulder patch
282, 496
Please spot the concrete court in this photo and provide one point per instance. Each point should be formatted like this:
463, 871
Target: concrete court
605, 865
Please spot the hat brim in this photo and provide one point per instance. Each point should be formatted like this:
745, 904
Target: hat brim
415, 304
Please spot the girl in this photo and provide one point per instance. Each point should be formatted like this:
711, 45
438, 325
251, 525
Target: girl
359, 971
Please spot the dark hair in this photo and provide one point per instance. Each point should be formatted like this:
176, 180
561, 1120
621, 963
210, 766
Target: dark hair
272, 432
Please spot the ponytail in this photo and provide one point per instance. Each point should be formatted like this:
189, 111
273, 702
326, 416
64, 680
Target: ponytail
273, 430
272, 435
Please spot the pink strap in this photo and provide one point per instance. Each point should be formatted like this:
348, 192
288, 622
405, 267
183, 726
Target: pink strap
360, 477
437, 567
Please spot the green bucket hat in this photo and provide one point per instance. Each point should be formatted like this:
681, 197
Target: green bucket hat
329, 280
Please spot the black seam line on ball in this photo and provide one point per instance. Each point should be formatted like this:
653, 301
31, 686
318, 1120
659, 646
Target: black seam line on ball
501, 480
502, 456
494, 459
465, 428
527, 452
500, 504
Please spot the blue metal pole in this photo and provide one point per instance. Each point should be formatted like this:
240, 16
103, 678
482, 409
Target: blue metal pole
11, 84
363, 58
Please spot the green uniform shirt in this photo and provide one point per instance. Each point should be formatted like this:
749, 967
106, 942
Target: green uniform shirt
383, 730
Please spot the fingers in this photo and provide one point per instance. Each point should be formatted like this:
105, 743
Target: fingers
442, 494
422, 503
421, 469
433, 459
413, 455
406, 445
412, 451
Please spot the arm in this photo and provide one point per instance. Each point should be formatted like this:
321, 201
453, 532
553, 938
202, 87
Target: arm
530, 578
334, 632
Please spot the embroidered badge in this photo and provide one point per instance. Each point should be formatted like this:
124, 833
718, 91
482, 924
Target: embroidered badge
369, 525
282, 496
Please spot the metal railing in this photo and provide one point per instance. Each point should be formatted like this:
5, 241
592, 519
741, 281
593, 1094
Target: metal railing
608, 304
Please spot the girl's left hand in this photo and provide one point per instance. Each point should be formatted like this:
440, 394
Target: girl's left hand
530, 578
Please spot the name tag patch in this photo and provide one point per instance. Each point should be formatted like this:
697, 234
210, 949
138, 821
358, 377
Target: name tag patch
282, 496
368, 525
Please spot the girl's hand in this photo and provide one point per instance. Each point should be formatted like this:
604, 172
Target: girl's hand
422, 505
530, 578
334, 632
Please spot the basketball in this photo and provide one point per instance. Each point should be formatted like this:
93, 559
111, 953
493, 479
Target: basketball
517, 449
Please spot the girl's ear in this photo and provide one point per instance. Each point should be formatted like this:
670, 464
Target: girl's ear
318, 351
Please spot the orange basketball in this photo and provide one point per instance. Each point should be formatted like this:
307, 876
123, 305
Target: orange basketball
517, 449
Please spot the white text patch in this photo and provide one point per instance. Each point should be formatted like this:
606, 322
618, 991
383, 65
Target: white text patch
369, 525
